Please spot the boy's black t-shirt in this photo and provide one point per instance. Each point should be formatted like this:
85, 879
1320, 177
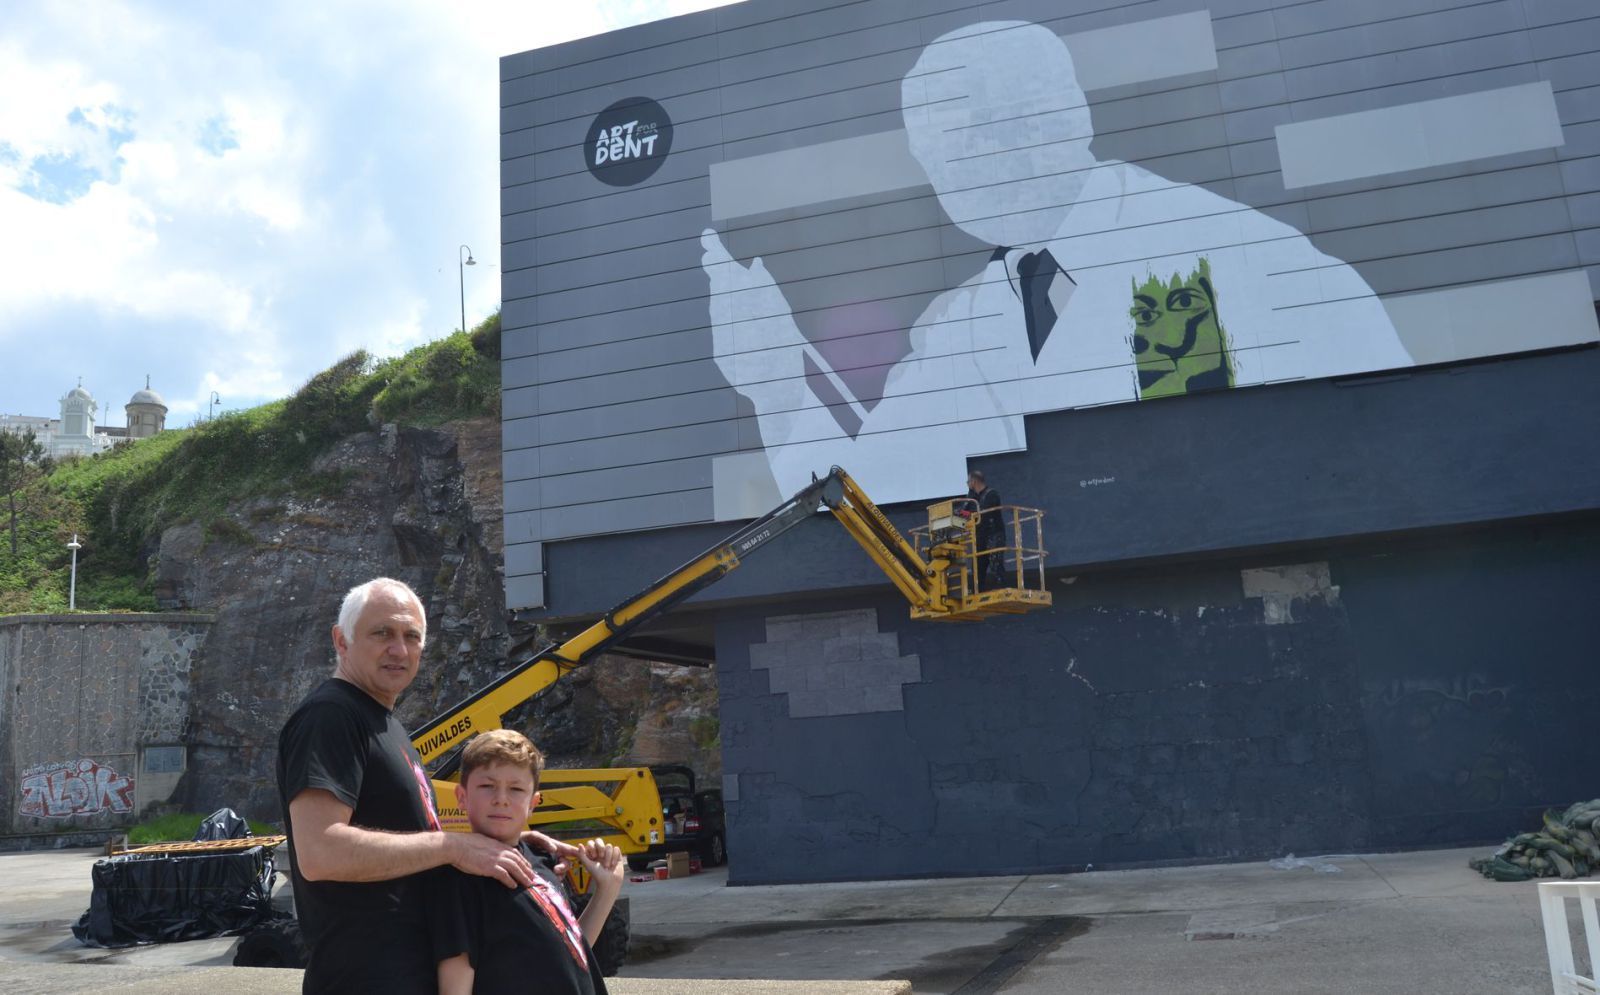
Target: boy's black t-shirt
518, 939
363, 937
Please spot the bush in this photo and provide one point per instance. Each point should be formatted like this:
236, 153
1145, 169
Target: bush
179, 826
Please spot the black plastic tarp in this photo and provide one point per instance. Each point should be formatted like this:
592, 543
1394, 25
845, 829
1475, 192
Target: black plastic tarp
167, 898
223, 824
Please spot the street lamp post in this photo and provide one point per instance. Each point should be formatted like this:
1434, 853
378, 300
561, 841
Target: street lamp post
461, 274
72, 592
211, 405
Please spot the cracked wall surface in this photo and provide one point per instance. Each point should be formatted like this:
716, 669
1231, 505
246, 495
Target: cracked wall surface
1386, 697
84, 695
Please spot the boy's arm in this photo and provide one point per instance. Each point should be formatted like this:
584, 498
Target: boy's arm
455, 976
606, 867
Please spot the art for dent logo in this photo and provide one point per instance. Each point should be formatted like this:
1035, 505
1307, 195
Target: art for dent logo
628, 142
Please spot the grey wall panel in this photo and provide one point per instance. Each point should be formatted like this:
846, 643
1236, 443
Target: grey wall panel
658, 478
524, 558
517, 340
1471, 264
600, 240
627, 514
520, 402
523, 525
637, 324
604, 421
525, 591
632, 354
639, 449
1237, 31
520, 464
1572, 38
656, 196
637, 384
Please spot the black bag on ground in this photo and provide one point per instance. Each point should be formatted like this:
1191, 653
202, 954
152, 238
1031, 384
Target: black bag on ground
223, 824
164, 898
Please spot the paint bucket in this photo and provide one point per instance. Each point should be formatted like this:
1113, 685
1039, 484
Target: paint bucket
661, 873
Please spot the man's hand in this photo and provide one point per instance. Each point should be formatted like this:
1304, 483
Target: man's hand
472, 853
605, 864
565, 853
754, 338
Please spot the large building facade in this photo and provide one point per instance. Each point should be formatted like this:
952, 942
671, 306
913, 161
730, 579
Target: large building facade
1283, 312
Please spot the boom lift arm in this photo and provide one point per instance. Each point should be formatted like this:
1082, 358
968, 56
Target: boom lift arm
934, 574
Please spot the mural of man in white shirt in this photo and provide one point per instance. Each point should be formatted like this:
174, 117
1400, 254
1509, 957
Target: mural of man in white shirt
1108, 283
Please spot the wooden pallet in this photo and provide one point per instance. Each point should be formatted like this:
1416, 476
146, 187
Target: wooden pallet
193, 848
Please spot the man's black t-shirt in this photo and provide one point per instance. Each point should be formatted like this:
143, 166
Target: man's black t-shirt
991, 530
517, 939
364, 937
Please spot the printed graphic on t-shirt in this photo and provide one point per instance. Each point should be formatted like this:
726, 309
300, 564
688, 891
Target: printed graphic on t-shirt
426, 790
554, 904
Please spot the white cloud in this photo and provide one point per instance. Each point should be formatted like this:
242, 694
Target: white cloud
240, 194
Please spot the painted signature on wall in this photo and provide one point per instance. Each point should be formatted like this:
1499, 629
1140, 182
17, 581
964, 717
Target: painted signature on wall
65, 789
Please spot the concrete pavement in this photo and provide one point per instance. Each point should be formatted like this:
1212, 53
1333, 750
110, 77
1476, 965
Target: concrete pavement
1385, 923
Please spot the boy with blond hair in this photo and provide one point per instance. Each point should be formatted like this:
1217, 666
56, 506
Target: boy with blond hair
492, 940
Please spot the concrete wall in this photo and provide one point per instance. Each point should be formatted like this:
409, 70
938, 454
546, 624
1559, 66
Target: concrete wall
1407, 694
93, 718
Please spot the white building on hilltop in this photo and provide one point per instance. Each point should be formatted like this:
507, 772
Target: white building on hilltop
74, 432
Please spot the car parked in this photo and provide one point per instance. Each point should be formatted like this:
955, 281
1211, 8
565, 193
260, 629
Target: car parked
693, 821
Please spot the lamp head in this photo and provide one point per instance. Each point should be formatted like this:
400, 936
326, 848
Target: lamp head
471, 261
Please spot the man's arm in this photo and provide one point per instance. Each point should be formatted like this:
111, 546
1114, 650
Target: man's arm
328, 848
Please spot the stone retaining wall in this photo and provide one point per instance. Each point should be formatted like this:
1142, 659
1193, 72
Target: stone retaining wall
93, 716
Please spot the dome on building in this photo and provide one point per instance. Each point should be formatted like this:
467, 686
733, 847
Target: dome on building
146, 396
147, 413
78, 393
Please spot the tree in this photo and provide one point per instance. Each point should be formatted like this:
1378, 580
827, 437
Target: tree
22, 461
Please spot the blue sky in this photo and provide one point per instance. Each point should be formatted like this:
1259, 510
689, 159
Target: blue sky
229, 197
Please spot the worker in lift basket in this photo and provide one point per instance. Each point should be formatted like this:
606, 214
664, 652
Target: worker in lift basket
984, 502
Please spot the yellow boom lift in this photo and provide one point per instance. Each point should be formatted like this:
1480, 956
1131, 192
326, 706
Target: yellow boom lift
937, 569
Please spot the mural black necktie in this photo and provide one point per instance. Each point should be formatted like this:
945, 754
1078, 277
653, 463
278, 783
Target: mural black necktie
1038, 274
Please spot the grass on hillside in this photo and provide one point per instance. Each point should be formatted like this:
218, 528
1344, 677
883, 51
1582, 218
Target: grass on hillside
178, 826
119, 502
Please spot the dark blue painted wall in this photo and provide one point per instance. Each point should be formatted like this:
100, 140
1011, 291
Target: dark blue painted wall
1204, 475
1442, 695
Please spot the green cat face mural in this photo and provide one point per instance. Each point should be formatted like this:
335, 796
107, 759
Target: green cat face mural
1178, 340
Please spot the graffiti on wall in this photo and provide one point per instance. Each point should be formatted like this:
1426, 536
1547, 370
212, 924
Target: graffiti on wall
996, 119
67, 789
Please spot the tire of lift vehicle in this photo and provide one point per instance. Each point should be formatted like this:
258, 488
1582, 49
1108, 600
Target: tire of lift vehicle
611, 951
715, 853
639, 862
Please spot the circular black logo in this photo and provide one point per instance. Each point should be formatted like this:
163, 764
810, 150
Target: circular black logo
628, 142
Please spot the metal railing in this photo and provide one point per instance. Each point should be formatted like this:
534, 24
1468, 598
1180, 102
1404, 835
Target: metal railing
1017, 563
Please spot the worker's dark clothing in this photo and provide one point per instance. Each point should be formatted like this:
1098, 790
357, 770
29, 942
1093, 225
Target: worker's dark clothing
517, 940
991, 534
366, 936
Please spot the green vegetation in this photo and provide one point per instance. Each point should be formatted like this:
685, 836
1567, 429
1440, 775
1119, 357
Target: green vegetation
120, 502
179, 826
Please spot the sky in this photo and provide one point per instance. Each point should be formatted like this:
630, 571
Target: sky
230, 197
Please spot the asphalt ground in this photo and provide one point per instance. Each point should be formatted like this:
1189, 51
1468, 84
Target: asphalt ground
1396, 923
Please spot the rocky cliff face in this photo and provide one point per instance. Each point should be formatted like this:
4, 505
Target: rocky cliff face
424, 506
